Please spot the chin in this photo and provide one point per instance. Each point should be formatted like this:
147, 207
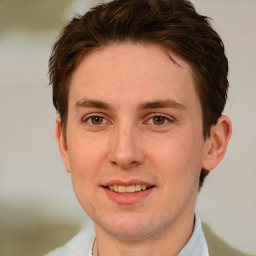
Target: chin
135, 234
131, 230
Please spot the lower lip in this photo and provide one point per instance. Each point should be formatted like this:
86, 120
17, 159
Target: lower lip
131, 198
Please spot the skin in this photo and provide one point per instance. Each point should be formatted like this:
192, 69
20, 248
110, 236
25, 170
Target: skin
134, 114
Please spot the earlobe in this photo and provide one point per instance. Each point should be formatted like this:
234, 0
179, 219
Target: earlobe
62, 143
217, 142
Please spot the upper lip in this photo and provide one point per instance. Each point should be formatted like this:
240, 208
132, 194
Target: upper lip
127, 183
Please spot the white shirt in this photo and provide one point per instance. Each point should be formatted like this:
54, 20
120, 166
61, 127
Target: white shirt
82, 243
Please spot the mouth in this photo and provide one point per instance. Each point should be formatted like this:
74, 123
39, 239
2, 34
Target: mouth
128, 189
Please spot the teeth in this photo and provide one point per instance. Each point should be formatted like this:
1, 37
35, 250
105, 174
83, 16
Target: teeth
130, 189
127, 189
144, 187
138, 187
122, 189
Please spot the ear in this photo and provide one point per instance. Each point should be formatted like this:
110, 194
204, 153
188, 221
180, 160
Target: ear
62, 143
216, 143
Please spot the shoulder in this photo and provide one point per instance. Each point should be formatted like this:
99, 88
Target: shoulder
217, 246
78, 245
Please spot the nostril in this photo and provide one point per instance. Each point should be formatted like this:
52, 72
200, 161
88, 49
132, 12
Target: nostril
114, 163
133, 163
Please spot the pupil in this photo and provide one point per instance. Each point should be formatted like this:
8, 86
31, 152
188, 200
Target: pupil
158, 120
97, 120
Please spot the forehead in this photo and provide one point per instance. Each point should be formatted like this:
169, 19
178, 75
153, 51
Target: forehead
131, 53
143, 71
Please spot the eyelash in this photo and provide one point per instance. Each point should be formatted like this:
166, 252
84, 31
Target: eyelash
88, 120
166, 120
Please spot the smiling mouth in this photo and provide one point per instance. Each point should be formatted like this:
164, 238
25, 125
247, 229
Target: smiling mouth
128, 189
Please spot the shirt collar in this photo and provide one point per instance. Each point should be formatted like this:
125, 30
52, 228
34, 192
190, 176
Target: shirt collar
196, 245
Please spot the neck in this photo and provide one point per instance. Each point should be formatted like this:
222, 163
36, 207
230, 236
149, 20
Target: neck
169, 241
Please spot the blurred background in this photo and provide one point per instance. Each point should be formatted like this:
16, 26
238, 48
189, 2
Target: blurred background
38, 210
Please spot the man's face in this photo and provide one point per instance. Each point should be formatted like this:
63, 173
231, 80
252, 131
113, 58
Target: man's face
134, 123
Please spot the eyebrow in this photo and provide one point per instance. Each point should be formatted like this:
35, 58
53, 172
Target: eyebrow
86, 103
162, 104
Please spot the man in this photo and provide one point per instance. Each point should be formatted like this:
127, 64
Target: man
140, 87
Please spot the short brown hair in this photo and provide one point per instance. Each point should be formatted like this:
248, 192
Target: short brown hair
173, 24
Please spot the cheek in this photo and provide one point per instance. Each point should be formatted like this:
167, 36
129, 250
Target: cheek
85, 162
177, 157
85, 153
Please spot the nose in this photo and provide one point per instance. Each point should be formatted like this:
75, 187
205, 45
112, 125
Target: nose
125, 148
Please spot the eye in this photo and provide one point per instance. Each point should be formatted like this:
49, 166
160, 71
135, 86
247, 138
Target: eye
158, 120
95, 120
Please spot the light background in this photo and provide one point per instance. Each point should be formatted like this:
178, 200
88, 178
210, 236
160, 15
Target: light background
33, 183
